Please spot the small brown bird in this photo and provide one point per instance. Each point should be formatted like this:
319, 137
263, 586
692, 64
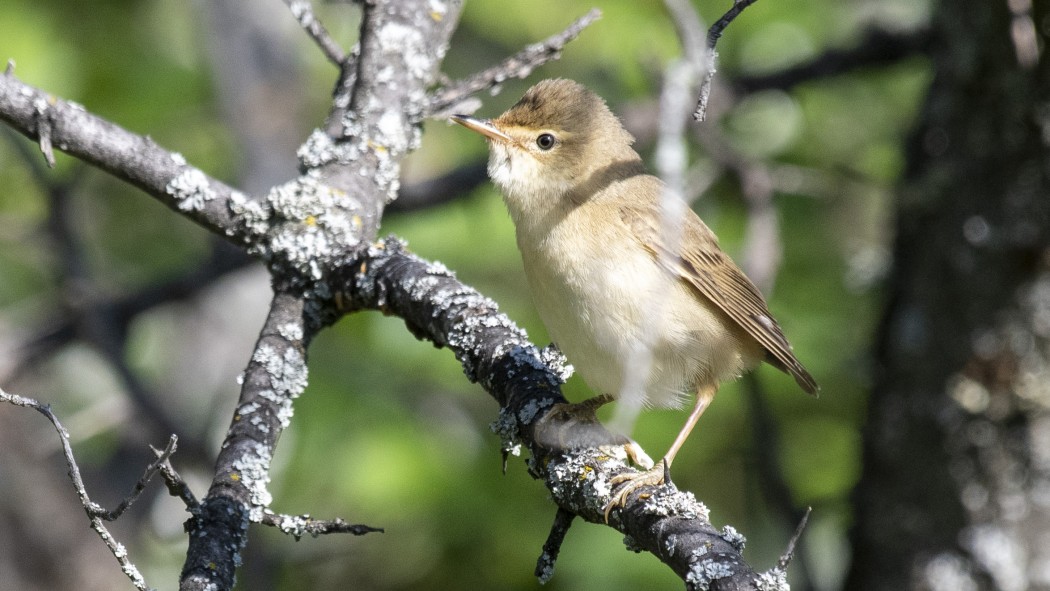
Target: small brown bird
605, 280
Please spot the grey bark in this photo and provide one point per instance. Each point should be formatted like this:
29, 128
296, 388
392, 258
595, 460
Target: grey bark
956, 467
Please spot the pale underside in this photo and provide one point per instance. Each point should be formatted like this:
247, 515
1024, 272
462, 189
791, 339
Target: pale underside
603, 298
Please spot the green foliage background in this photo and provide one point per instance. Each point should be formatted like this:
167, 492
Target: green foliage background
389, 432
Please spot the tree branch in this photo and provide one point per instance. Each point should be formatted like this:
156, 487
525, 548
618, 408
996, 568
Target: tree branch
519, 65
713, 35
130, 157
303, 12
877, 48
310, 231
95, 512
274, 378
525, 381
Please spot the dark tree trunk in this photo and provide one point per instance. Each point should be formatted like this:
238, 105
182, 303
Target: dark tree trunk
955, 490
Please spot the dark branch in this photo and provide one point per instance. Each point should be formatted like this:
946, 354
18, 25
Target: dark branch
526, 382
275, 376
877, 48
713, 35
439, 190
519, 65
299, 525
552, 547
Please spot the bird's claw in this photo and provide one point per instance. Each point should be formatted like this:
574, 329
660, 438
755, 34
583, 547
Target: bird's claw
626, 484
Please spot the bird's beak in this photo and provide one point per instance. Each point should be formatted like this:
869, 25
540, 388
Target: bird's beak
482, 126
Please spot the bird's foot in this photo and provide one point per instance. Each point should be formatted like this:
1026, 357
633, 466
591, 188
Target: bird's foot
575, 425
637, 455
625, 485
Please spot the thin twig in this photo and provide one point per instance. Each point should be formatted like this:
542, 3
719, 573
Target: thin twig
789, 553
177, 487
303, 12
154, 467
518, 65
299, 525
552, 547
96, 514
713, 34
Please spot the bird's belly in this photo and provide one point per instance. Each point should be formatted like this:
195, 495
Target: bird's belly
621, 320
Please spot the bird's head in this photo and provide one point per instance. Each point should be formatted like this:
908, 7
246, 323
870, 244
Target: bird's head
550, 143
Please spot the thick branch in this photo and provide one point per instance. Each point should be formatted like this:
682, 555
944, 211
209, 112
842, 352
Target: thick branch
275, 376
525, 381
130, 157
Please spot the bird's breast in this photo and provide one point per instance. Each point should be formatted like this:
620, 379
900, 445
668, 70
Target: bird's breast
604, 299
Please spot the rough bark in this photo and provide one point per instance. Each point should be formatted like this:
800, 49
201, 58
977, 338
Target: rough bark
956, 467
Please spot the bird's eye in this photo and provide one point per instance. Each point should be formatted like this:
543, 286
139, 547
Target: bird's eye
545, 141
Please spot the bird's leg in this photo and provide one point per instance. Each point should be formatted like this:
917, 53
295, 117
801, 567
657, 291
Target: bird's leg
625, 484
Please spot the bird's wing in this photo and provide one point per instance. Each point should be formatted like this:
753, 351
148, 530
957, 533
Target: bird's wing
704, 266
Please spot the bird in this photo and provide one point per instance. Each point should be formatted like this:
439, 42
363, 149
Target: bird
607, 280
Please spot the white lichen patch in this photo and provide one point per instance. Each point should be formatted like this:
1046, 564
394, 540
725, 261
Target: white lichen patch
292, 331
706, 570
506, 428
191, 190
252, 470
546, 570
735, 538
288, 377
532, 409
773, 580
390, 131
287, 371
320, 223
668, 500
408, 44
319, 149
250, 215
555, 360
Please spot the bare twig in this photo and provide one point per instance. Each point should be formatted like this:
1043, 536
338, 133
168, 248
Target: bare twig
303, 11
552, 547
177, 487
155, 466
96, 514
713, 34
298, 526
785, 559
518, 65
